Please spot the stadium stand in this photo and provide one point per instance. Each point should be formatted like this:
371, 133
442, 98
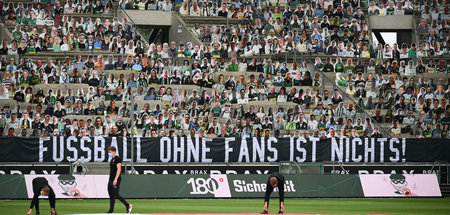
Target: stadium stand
262, 68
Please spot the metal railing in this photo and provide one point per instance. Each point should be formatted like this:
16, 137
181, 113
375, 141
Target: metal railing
360, 110
134, 27
260, 16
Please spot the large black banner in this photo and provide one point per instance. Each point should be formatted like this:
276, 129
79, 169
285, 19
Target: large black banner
204, 150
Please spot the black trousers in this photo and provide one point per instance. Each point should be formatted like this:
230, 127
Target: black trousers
51, 199
113, 192
38, 184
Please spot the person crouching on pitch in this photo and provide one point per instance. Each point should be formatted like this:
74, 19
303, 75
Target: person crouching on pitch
276, 179
41, 187
115, 167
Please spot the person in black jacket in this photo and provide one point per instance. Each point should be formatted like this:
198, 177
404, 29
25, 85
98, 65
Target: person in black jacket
41, 187
19, 96
328, 67
276, 179
332, 49
115, 168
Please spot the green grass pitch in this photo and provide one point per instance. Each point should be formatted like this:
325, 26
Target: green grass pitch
431, 206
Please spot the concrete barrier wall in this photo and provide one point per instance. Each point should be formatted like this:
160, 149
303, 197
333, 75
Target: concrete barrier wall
5, 34
150, 17
404, 22
178, 30
180, 33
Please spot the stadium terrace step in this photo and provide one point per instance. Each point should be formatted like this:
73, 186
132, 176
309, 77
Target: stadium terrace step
25, 3
434, 76
190, 20
71, 54
34, 3
90, 15
77, 16
284, 56
189, 88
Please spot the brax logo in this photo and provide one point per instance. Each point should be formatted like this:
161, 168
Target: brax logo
198, 172
337, 172
31, 172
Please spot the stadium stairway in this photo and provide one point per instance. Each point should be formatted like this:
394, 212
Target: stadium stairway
444, 182
445, 190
